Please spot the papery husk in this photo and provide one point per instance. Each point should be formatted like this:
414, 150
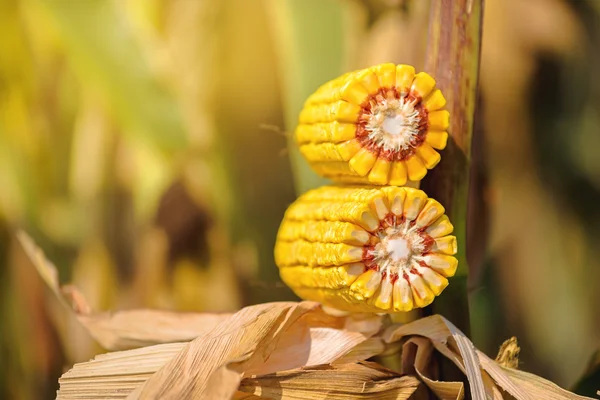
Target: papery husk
115, 375
416, 359
440, 332
287, 350
487, 379
249, 356
343, 381
130, 329
257, 340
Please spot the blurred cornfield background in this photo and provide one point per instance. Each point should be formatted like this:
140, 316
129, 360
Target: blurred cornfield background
143, 144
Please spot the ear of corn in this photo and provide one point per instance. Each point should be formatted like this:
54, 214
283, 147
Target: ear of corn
381, 125
366, 249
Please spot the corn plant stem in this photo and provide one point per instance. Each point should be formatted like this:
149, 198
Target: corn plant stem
453, 54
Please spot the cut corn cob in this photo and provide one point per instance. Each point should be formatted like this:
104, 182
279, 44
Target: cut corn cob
365, 249
383, 123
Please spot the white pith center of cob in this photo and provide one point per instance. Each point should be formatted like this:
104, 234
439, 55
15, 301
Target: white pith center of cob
399, 249
393, 123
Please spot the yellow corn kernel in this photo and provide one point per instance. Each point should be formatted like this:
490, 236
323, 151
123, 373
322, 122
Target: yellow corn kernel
337, 277
353, 92
346, 193
325, 95
335, 132
439, 120
431, 211
386, 74
422, 293
309, 133
415, 168
341, 132
308, 115
344, 112
326, 232
437, 139
405, 74
441, 227
435, 101
355, 213
402, 294
366, 285
368, 80
383, 299
351, 197
347, 274
366, 249
443, 264
413, 204
378, 129
396, 198
332, 168
428, 155
380, 172
436, 282
339, 299
445, 245
423, 84
301, 252
328, 92
398, 174
348, 149
363, 161
321, 152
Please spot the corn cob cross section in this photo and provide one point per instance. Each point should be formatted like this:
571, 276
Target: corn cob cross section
366, 249
381, 125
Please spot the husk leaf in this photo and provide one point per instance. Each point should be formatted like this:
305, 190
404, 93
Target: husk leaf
285, 350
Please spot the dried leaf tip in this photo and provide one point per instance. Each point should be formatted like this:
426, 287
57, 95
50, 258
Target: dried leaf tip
380, 125
508, 355
366, 249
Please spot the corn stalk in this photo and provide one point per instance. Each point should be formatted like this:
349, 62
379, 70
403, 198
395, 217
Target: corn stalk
453, 53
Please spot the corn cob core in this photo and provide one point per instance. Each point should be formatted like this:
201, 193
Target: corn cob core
366, 249
380, 125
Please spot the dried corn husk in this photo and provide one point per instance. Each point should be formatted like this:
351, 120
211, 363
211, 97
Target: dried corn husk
293, 351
